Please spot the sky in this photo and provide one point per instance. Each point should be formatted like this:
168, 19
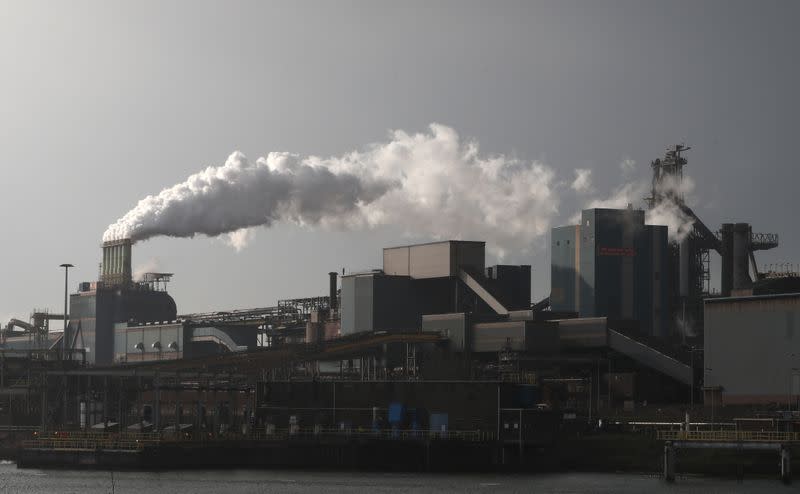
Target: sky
103, 103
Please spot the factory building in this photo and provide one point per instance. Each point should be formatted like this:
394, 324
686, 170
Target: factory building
445, 287
117, 319
612, 265
98, 306
752, 349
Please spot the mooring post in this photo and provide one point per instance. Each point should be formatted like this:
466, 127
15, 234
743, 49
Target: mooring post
669, 462
786, 465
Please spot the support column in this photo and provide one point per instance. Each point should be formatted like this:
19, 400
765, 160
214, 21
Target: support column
177, 402
106, 408
156, 405
786, 465
669, 462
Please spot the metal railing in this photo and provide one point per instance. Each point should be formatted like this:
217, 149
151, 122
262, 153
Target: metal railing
89, 441
730, 436
399, 435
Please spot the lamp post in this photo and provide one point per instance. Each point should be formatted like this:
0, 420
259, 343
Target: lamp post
66, 302
709, 369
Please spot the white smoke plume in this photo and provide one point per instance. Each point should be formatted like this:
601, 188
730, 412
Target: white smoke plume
152, 265
627, 166
666, 212
241, 238
433, 184
583, 180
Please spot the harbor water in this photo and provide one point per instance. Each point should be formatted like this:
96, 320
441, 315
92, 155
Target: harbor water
13, 480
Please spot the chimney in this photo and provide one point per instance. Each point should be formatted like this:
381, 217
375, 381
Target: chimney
334, 304
116, 269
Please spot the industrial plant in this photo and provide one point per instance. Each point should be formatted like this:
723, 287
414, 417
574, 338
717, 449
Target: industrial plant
433, 359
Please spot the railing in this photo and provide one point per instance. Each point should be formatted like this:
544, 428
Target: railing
89, 441
399, 435
730, 436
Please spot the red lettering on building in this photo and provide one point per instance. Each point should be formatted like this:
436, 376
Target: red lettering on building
618, 251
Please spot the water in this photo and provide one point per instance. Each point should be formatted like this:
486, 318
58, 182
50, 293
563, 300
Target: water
294, 481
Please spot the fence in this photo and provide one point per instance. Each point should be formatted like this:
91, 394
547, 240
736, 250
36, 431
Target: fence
77, 441
730, 436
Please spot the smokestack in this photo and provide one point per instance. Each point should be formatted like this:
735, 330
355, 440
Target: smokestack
116, 269
333, 298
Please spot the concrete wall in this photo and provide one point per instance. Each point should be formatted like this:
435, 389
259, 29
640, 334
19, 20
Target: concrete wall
752, 345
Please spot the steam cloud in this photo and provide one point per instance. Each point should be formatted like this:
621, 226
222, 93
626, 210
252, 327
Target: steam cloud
583, 180
431, 183
667, 212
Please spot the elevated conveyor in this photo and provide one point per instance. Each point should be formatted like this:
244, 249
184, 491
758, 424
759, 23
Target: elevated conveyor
650, 357
594, 333
475, 283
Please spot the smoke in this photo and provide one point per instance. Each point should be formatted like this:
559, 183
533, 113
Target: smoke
152, 265
240, 238
666, 212
627, 166
685, 326
430, 184
583, 180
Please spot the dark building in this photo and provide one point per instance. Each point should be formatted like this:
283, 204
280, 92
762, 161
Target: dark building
512, 285
94, 313
97, 307
448, 277
612, 265
377, 302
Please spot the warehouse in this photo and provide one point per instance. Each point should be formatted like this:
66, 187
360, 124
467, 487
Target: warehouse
752, 349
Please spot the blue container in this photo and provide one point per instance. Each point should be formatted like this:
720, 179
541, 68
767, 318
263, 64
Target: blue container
439, 422
396, 413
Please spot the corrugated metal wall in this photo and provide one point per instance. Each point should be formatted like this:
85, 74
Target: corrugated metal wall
752, 348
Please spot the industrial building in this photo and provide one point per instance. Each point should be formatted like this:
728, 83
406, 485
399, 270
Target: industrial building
612, 265
433, 331
752, 349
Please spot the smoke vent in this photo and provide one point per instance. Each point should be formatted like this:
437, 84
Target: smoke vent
116, 270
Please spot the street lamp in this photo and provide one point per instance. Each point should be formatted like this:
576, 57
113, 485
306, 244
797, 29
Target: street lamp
709, 369
66, 302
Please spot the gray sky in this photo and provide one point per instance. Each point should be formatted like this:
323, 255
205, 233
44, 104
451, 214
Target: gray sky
102, 103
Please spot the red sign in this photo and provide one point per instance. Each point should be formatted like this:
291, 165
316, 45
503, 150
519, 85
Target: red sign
618, 251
